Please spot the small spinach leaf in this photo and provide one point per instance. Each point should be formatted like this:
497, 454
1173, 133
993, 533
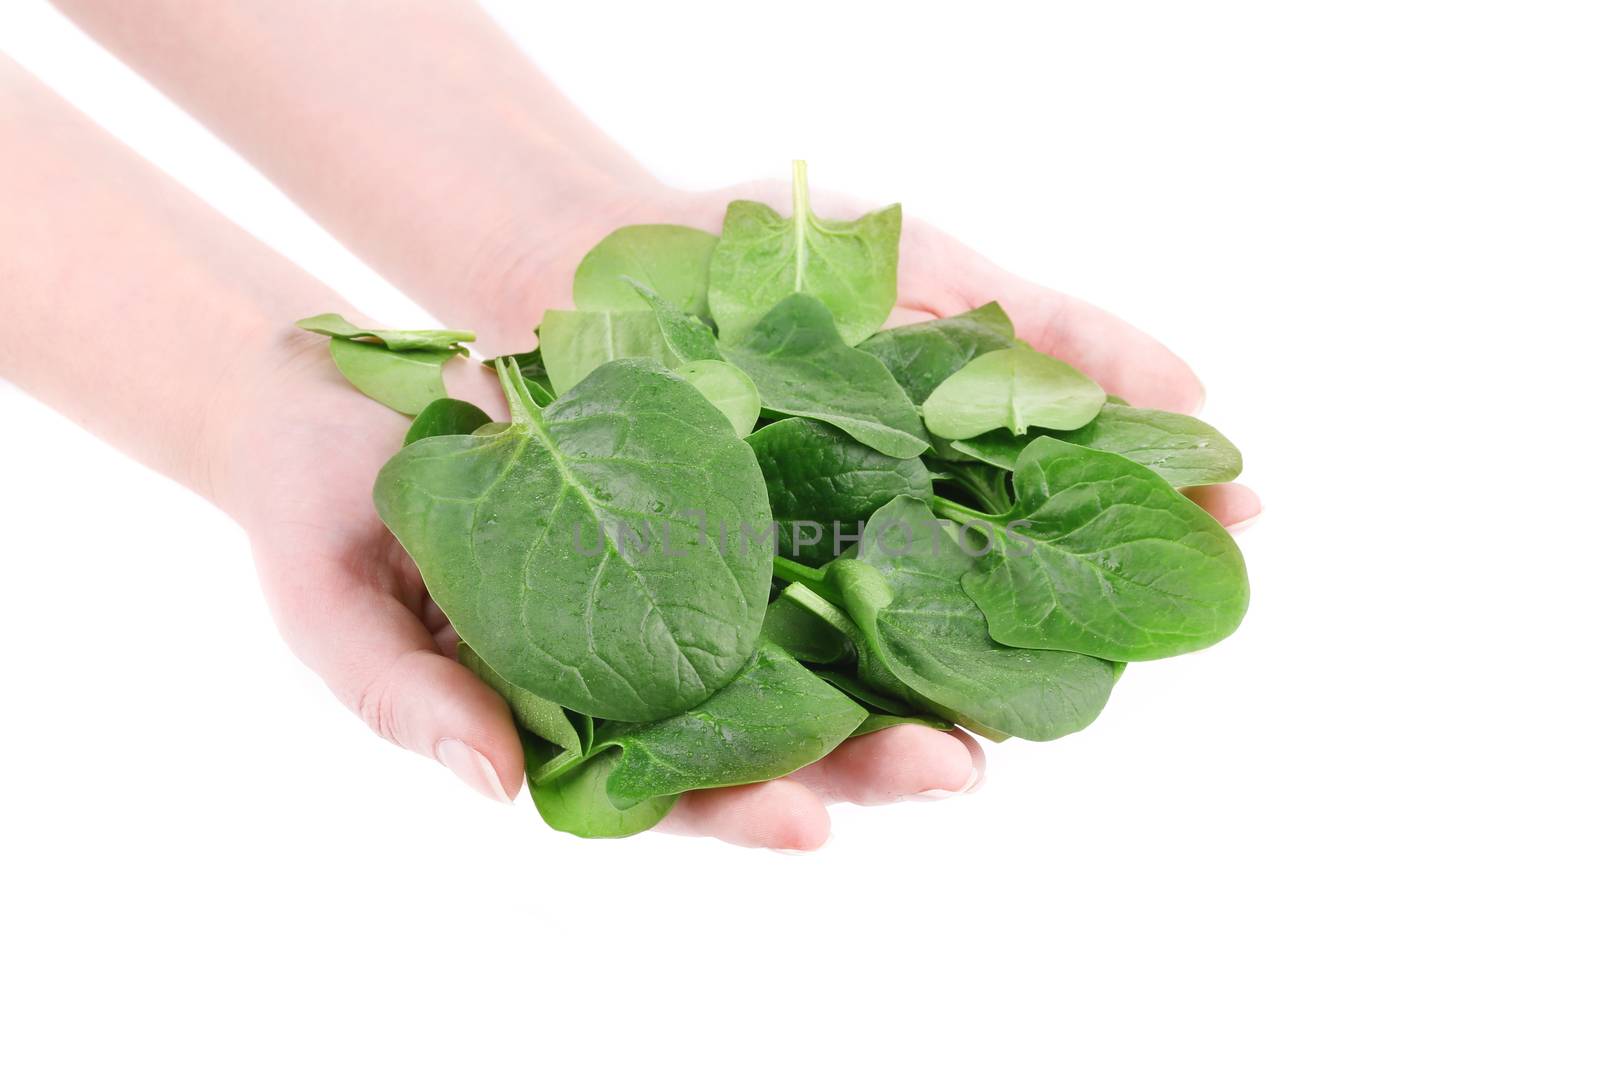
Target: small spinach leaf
1014, 388
406, 381
904, 591
802, 367
574, 343
675, 261
923, 354
444, 417
729, 388
533, 713
1111, 561
332, 325
821, 482
1180, 448
526, 540
763, 257
775, 717
687, 337
574, 799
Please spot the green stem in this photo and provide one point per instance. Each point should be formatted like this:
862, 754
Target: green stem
519, 397
802, 216
827, 611
800, 574
949, 509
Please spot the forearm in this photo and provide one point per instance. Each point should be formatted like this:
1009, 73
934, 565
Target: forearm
129, 305
416, 131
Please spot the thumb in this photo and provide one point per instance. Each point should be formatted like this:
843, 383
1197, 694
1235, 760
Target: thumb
381, 661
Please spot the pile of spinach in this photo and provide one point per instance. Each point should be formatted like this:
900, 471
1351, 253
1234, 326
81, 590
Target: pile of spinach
732, 522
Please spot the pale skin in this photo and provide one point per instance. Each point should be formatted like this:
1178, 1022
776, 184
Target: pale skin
490, 187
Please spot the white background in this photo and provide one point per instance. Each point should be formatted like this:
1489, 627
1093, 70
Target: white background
1362, 830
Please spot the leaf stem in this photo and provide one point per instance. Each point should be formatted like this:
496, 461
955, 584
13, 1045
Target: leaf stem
949, 509
802, 216
519, 395
799, 574
827, 611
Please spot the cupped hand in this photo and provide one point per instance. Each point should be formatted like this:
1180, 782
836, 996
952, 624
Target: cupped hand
307, 448
304, 451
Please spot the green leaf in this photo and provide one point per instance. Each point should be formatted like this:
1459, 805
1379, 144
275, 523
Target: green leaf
567, 550
533, 713
575, 800
1180, 448
988, 487
674, 261
804, 634
905, 593
688, 338
885, 711
574, 343
820, 476
763, 257
729, 388
406, 381
923, 354
446, 416
331, 325
1112, 562
802, 367
1014, 388
775, 717
877, 720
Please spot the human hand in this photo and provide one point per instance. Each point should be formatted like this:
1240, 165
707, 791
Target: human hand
297, 473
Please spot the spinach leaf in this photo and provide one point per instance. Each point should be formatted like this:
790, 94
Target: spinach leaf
1180, 448
527, 541
822, 484
1014, 388
332, 325
877, 720
674, 261
574, 799
1112, 561
763, 257
406, 381
904, 590
729, 388
884, 711
804, 634
802, 367
923, 354
775, 717
446, 416
686, 337
574, 343
533, 713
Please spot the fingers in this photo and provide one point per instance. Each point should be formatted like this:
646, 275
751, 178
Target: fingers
1126, 362
1235, 506
900, 763
381, 660
781, 814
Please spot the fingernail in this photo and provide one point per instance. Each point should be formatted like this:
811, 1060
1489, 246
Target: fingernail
472, 767
971, 785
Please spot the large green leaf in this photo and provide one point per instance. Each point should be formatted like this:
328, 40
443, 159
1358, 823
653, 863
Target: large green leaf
567, 549
574, 343
802, 366
1180, 448
764, 257
674, 261
904, 590
1112, 561
1013, 388
824, 483
775, 717
923, 354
